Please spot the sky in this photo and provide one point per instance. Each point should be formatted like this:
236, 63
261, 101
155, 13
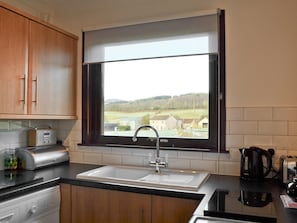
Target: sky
139, 79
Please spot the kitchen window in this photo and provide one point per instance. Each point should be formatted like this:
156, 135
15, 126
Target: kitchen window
168, 74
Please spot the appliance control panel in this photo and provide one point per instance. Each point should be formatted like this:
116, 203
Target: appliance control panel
42, 137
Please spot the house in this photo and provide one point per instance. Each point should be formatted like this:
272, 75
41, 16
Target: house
190, 123
203, 123
110, 127
165, 122
132, 122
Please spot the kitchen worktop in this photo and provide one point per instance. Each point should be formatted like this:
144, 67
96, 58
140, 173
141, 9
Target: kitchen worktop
21, 182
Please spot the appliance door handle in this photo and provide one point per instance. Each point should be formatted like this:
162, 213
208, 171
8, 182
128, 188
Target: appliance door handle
7, 218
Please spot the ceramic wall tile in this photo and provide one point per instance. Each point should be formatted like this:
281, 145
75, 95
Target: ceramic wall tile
283, 113
243, 127
257, 113
234, 114
273, 128
257, 140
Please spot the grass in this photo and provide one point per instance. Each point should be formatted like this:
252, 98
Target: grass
115, 117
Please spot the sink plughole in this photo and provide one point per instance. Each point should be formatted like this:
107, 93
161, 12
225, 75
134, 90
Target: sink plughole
142, 176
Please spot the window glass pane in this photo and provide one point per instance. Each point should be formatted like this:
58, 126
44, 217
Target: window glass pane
171, 94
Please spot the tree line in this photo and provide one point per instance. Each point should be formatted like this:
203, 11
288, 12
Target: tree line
162, 102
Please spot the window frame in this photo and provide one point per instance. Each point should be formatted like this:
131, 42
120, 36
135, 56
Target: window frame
92, 92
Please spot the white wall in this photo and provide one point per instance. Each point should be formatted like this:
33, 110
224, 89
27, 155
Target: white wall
261, 73
260, 40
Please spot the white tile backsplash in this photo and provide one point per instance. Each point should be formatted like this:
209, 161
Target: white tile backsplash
92, 158
292, 128
234, 140
267, 127
283, 113
234, 114
259, 140
111, 159
257, 114
243, 127
175, 163
4, 125
205, 165
273, 128
134, 160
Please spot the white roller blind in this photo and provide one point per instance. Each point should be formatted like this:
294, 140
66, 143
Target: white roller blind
185, 36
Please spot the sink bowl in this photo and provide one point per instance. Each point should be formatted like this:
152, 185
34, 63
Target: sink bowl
143, 176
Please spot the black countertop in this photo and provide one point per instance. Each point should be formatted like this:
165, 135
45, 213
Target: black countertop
21, 182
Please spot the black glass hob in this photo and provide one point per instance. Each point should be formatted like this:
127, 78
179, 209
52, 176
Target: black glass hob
242, 205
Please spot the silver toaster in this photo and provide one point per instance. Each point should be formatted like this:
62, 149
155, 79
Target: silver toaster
42, 137
288, 165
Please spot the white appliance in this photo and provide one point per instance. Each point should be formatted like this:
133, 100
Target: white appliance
42, 206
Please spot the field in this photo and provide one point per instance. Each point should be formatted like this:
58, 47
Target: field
116, 117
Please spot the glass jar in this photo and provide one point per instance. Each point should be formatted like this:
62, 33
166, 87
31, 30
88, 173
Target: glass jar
10, 160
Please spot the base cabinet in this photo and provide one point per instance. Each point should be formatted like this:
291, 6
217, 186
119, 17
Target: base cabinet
92, 205
65, 203
103, 206
172, 209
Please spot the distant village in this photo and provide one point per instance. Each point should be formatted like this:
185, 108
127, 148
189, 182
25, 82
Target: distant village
159, 122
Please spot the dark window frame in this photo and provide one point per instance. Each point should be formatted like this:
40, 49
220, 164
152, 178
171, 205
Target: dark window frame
92, 105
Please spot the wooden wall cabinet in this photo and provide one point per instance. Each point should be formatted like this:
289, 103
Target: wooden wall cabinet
52, 63
94, 205
38, 71
13, 56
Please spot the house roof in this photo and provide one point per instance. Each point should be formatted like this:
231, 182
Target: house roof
160, 117
189, 120
164, 117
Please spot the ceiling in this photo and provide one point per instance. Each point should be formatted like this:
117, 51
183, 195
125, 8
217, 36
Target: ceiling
77, 15
82, 7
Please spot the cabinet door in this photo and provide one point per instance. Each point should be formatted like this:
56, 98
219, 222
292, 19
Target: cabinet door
89, 205
98, 205
65, 205
129, 207
52, 72
13, 57
170, 209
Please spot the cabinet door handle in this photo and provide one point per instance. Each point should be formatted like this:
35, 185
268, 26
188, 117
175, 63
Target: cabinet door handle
24, 85
140, 215
35, 93
6, 218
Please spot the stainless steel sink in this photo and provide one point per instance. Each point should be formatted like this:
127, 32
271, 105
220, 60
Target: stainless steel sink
145, 176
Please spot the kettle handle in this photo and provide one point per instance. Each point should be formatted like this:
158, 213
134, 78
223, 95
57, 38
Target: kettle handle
269, 161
